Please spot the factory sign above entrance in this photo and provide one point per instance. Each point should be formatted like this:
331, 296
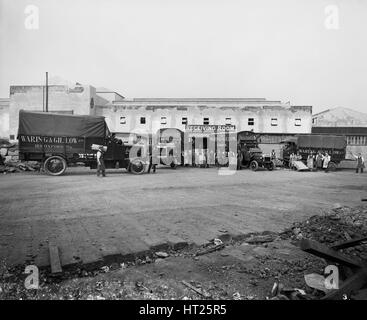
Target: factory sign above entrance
207, 128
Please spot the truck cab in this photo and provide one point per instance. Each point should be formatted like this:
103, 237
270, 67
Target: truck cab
250, 155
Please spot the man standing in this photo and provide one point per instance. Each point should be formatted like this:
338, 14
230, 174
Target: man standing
100, 163
360, 162
326, 160
319, 160
153, 159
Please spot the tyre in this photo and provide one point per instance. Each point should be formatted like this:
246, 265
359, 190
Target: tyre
173, 165
332, 166
137, 167
271, 166
254, 165
55, 165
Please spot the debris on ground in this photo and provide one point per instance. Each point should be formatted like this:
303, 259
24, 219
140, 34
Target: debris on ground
199, 291
289, 265
256, 239
161, 254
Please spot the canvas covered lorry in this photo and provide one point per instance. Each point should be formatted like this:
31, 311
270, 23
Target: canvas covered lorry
307, 144
60, 140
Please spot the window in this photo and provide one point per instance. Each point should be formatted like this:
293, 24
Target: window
206, 121
297, 122
122, 120
274, 122
228, 121
184, 120
142, 120
12, 137
163, 120
251, 121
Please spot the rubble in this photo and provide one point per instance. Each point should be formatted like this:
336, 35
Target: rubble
10, 160
340, 224
17, 166
162, 254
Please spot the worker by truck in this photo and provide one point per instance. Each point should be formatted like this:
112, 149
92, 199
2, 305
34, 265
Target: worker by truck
59, 141
319, 145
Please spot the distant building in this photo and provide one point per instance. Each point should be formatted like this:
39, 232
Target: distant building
344, 121
339, 117
4, 117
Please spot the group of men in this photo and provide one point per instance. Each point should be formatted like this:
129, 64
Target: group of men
321, 161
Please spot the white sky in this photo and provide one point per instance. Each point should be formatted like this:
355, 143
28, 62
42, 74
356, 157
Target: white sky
276, 49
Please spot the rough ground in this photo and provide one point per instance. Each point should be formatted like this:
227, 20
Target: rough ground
90, 218
102, 220
245, 269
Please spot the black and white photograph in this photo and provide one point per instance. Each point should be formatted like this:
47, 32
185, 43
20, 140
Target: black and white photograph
209, 153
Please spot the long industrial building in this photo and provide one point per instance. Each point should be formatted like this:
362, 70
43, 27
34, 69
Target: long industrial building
274, 120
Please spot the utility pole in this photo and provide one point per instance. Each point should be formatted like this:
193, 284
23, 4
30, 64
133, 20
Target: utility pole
46, 91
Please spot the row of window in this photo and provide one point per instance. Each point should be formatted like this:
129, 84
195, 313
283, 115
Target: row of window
228, 121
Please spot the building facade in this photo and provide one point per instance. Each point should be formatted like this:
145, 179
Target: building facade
273, 119
80, 100
258, 115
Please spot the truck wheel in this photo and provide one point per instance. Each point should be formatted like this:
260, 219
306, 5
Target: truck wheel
55, 166
271, 166
254, 165
173, 165
137, 167
332, 166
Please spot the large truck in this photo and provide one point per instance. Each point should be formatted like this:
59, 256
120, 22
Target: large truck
307, 144
59, 141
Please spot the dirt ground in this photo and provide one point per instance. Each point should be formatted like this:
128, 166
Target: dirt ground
121, 220
109, 219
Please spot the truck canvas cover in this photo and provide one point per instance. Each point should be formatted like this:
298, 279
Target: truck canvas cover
322, 142
59, 134
57, 125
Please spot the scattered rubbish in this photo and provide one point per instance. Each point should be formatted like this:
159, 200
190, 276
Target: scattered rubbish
140, 286
236, 296
316, 281
279, 292
162, 254
217, 242
105, 269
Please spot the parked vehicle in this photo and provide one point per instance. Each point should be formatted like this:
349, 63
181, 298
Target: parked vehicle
249, 153
306, 144
59, 141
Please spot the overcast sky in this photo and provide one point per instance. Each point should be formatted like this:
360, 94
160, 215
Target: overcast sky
276, 49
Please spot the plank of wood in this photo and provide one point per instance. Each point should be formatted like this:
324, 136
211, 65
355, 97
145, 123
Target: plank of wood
325, 252
199, 291
212, 249
348, 243
54, 258
352, 284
